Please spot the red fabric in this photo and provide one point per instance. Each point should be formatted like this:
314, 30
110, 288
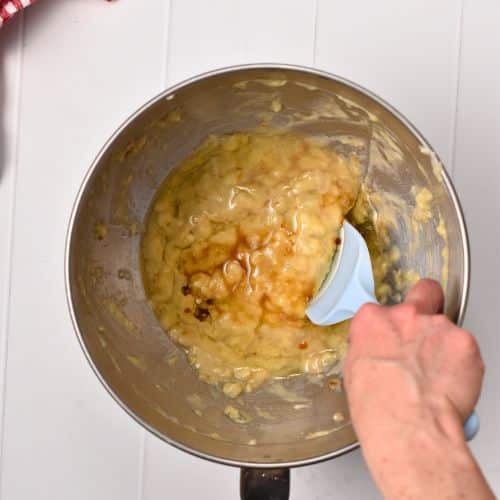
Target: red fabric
9, 8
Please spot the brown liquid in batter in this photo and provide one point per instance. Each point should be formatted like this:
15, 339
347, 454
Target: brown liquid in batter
238, 240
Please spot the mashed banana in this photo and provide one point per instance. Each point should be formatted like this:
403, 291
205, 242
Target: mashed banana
238, 240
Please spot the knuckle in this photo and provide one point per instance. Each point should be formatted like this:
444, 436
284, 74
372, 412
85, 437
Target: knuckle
367, 312
466, 342
362, 319
440, 321
408, 310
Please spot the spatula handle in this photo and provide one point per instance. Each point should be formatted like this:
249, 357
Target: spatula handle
471, 426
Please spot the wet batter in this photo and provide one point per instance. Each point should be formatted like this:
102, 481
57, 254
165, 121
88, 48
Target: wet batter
238, 240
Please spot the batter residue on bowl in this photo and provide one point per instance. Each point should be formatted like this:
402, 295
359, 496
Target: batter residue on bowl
238, 240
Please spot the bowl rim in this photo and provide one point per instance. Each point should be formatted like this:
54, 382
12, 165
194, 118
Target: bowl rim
162, 95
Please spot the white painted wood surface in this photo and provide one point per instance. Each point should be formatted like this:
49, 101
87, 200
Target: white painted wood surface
477, 177
71, 70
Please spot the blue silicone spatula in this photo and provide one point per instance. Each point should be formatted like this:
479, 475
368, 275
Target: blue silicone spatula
348, 286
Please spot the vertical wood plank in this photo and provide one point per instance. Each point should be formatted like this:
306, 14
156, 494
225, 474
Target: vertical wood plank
406, 52
171, 473
477, 177
209, 35
10, 74
221, 33
344, 477
84, 70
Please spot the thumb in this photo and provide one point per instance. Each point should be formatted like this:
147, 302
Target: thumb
427, 296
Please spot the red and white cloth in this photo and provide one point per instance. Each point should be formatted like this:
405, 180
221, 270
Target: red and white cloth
9, 8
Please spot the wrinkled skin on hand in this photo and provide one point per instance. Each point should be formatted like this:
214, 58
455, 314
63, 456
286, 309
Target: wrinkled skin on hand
412, 377
405, 358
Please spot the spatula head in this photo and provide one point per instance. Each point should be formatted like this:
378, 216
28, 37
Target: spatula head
348, 285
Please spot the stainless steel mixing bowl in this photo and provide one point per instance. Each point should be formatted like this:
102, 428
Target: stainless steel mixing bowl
133, 357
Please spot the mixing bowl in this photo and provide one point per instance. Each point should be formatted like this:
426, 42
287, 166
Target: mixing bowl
142, 369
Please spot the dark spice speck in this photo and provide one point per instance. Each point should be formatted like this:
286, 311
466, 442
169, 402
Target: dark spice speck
201, 314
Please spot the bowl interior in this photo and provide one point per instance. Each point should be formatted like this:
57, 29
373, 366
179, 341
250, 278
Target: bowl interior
149, 375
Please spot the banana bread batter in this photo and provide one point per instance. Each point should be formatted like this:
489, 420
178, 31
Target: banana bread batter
238, 240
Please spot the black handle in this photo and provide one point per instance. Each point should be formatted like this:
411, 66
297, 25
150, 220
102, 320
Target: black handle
265, 484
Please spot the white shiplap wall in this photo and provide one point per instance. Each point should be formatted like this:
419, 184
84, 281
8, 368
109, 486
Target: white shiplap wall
477, 178
72, 70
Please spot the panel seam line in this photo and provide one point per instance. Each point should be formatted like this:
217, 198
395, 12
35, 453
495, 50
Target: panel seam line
458, 73
10, 251
315, 32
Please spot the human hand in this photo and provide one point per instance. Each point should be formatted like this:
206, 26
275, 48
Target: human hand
412, 377
406, 359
